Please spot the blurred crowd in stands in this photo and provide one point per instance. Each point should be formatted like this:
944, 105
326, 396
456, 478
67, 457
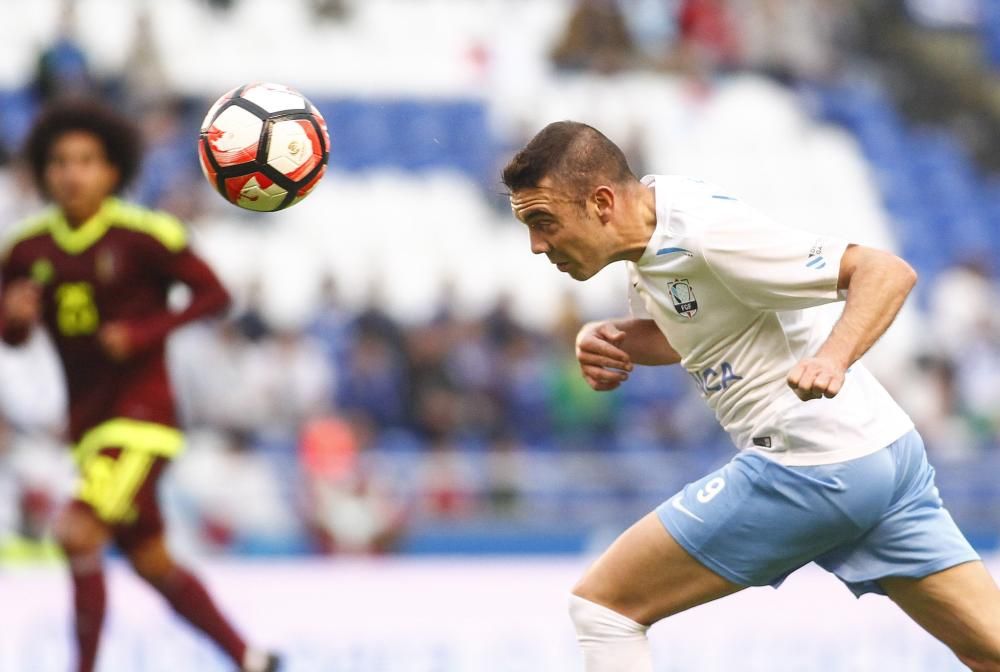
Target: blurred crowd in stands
703, 37
341, 435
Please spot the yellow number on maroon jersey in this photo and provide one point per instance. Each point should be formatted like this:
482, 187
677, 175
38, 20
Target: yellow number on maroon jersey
76, 310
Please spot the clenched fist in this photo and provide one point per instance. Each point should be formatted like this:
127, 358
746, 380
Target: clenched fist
116, 339
22, 303
603, 363
816, 377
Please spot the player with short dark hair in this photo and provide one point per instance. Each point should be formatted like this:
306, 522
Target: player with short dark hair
574, 151
830, 469
95, 271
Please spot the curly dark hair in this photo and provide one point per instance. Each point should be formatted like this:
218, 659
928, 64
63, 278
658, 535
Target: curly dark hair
120, 137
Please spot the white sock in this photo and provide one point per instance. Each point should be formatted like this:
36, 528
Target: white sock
254, 660
610, 641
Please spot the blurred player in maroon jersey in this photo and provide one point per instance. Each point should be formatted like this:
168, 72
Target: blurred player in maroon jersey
95, 271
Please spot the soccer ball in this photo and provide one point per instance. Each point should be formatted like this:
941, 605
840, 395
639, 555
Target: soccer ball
263, 146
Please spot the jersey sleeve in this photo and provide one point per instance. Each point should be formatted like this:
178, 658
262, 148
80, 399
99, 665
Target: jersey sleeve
170, 256
12, 269
772, 267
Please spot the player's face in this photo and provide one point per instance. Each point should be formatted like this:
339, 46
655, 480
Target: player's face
563, 228
78, 175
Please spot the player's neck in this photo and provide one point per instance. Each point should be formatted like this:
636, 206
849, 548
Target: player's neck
638, 224
77, 217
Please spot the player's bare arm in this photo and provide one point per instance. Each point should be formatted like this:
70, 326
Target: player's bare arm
608, 350
876, 283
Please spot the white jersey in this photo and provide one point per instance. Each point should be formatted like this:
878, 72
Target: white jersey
731, 291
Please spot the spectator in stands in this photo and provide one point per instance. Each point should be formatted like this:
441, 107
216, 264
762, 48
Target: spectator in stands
62, 67
501, 327
506, 477
445, 484
348, 507
35, 474
144, 79
709, 40
374, 383
166, 179
33, 397
596, 39
301, 382
331, 10
331, 326
251, 512
237, 395
933, 400
653, 25
524, 362
790, 41
958, 324
221, 5
473, 367
582, 418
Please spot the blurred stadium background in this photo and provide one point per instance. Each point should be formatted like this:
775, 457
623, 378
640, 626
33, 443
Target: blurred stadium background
392, 464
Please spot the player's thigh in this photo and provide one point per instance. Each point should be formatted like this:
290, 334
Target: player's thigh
111, 481
79, 530
960, 606
151, 559
646, 575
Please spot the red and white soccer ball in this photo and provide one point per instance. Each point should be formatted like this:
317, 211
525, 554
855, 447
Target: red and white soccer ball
264, 146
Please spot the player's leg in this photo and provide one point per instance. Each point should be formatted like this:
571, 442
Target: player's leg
916, 555
643, 577
959, 606
750, 523
185, 594
662, 578
142, 540
83, 536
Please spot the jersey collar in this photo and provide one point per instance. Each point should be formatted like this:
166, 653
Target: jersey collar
76, 240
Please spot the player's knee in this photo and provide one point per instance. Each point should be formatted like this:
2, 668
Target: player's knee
609, 596
596, 623
77, 534
151, 562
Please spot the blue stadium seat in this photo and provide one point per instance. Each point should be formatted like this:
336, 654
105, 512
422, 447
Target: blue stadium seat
17, 111
410, 135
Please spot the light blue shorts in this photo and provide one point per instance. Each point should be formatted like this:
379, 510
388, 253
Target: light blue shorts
755, 521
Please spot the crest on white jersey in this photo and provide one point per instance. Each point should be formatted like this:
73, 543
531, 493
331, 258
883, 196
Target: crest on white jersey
683, 297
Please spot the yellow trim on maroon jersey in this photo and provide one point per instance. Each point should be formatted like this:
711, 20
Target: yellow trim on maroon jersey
150, 438
36, 226
167, 230
76, 240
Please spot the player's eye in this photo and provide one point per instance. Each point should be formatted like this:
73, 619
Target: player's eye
543, 225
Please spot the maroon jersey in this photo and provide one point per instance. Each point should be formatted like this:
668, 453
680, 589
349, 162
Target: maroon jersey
117, 267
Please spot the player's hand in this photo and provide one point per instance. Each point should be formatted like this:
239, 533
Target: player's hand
816, 377
116, 340
603, 363
22, 303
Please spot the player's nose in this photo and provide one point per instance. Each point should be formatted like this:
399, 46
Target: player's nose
538, 246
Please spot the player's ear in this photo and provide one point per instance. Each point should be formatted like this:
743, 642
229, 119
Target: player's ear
603, 200
114, 178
